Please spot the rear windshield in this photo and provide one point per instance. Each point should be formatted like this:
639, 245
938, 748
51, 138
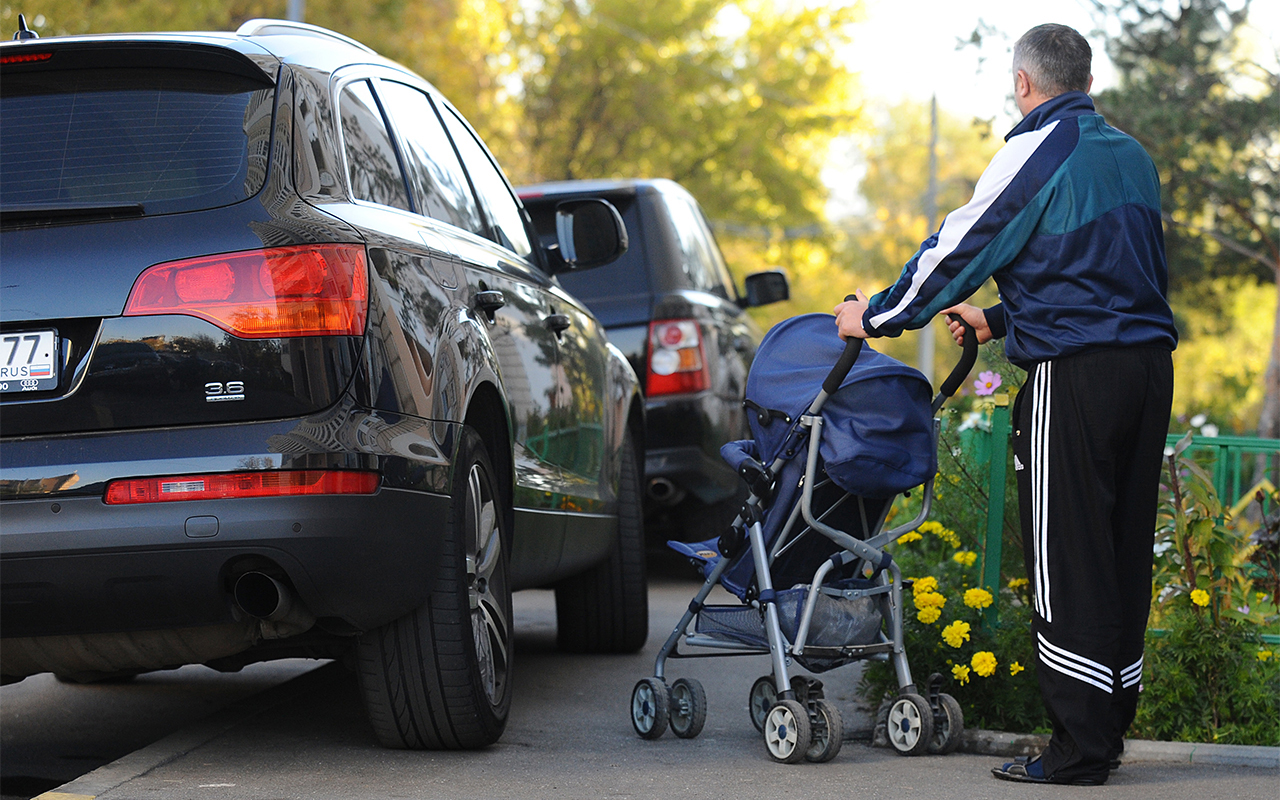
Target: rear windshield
625, 277
170, 140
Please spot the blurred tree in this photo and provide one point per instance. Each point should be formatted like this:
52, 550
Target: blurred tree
736, 101
1193, 92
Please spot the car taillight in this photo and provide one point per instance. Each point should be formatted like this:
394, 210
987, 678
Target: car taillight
217, 486
677, 363
279, 292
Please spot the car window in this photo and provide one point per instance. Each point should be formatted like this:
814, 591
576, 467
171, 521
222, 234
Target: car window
494, 193
720, 270
439, 184
699, 264
372, 166
172, 140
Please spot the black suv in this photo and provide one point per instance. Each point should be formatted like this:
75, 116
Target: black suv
670, 304
286, 373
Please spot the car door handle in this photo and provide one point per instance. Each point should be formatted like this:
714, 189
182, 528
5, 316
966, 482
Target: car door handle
557, 323
489, 302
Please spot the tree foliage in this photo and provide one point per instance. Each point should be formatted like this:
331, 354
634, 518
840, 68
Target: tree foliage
1194, 92
736, 101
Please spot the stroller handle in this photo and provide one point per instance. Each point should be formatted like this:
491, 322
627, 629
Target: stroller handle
967, 359
852, 347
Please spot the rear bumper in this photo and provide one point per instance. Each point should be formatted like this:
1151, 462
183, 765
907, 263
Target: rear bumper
70, 564
357, 561
683, 445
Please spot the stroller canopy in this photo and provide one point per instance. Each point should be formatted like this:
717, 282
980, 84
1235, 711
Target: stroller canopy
877, 439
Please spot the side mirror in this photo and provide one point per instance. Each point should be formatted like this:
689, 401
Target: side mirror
589, 233
764, 288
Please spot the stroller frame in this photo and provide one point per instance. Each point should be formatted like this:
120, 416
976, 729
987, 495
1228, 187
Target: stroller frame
799, 724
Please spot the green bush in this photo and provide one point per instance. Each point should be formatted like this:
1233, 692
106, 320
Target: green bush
1208, 682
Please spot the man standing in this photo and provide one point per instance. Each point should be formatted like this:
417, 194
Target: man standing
1066, 219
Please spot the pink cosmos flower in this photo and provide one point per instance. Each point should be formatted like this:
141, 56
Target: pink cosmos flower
987, 383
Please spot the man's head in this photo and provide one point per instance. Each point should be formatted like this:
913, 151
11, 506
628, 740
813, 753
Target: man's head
1050, 60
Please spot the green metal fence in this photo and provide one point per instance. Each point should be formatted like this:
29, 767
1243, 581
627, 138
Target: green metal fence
1232, 460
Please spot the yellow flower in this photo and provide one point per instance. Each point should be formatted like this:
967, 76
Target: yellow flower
956, 634
1017, 583
929, 600
945, 534
1015, 668
965, 557
910, 536
1200, 597
984, 663
1265, 655
977, 598
928, 615
925, 585
961, 673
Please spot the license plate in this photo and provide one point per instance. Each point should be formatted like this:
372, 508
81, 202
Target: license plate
28, 361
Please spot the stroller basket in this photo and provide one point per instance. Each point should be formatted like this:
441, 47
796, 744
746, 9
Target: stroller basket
838, 621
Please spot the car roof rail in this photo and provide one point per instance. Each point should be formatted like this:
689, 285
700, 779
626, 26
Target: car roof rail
285, 27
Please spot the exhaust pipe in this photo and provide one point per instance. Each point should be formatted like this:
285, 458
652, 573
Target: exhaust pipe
663, 491
273, 603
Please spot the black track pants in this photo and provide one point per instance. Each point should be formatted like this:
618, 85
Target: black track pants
1088, 442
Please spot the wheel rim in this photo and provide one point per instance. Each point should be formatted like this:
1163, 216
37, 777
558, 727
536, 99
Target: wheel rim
780, 732
644, 710
904, 725
487, 585
763, 697
681, 706
820, 733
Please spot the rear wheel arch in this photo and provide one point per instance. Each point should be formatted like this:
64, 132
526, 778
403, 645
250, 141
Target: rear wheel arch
487, 414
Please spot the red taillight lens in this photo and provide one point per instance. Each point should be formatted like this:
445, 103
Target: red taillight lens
312, 290
677, 363
218, 486
25, 58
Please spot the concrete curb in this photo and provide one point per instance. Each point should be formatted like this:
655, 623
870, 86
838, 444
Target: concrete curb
179, 743
994, 743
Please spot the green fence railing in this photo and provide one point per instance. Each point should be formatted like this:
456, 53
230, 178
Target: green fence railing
1233, 461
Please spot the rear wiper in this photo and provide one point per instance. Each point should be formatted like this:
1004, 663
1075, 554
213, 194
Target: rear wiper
21, 216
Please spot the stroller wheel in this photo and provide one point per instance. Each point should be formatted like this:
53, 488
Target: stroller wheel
910, 725
948, 726
787, 734
826, 732
763, 695
650, 705
688, 708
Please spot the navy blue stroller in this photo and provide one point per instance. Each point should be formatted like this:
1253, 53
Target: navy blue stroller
831, 449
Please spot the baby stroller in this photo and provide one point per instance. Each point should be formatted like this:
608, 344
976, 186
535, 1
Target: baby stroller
805, 556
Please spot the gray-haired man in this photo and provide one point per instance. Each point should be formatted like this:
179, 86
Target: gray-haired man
1066, 219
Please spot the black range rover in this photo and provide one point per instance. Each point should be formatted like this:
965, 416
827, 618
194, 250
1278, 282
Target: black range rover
284, 371
670, 304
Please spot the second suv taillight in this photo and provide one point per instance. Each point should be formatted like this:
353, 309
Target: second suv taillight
279, 292
677, 362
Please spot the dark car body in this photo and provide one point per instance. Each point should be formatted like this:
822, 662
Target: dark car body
298, 321
672, 272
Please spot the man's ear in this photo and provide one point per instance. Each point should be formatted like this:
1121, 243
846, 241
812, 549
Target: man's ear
1088, 86
1021, 84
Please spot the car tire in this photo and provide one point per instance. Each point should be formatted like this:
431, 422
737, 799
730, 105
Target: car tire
606, 608
439, 678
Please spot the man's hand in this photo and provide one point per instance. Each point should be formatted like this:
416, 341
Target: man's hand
849, 316
972, 315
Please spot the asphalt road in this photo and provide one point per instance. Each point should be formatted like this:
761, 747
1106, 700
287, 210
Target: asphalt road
569, 736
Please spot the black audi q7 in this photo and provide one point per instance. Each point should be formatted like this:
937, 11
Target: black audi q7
285, 371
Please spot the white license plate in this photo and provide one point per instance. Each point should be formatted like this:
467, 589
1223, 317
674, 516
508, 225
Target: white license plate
28, 361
